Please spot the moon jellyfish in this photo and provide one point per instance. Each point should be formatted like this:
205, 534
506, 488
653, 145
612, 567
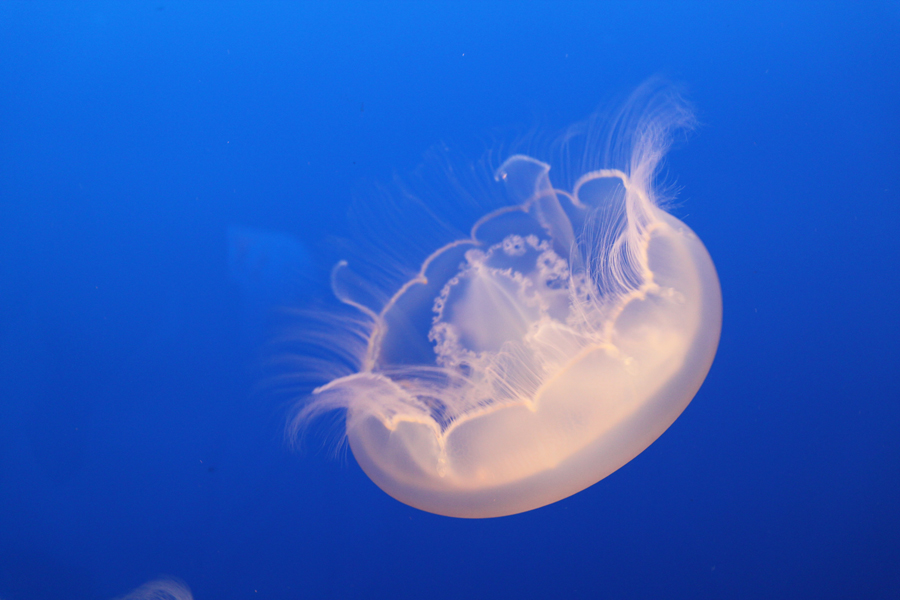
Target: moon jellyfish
530, 359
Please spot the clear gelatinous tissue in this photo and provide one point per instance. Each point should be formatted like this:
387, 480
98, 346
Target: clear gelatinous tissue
532, 358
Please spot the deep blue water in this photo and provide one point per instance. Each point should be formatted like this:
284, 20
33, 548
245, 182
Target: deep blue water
170, 172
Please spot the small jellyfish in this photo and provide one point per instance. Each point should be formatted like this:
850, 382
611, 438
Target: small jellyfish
530, 359
270, 269
161, 589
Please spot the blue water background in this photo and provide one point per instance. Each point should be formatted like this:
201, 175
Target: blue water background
165, 166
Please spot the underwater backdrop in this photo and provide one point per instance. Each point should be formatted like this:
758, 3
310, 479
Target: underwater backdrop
178, 179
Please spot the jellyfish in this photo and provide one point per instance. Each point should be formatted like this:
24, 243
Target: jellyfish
160, 589
531, 358
271, 271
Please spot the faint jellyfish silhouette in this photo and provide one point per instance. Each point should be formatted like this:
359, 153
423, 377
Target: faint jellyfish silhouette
160, 589
271, 271
535, 357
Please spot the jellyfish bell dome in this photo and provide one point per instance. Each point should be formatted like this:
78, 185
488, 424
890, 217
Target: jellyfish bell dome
531, 359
